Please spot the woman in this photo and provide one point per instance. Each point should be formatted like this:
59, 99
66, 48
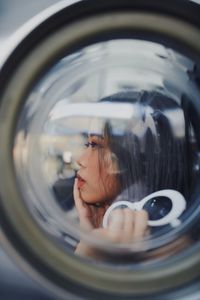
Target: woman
155, 152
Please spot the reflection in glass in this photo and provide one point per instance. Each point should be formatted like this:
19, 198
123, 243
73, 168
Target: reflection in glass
117, 117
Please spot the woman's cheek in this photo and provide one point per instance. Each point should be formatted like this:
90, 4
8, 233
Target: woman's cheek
111, 163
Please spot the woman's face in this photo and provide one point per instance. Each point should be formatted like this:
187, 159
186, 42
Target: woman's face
97, 181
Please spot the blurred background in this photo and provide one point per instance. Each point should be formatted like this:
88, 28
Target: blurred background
13, 13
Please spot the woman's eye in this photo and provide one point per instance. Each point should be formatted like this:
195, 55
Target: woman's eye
86, 145
92, 145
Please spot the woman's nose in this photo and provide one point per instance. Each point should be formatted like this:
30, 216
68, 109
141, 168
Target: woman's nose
82, 161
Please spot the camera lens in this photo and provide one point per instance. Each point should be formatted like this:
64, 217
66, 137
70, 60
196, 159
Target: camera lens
102, 104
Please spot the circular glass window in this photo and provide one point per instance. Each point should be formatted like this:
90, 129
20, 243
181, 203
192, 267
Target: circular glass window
107, 124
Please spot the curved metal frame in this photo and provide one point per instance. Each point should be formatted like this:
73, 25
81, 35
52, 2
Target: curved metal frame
62, 32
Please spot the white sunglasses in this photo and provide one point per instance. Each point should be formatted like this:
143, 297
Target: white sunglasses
163, 207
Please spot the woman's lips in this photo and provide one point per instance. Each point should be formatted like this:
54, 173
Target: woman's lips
81, 181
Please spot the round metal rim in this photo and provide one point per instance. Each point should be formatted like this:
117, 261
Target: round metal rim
76, 32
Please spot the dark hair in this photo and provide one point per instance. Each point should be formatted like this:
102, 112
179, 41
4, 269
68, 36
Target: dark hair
156, 151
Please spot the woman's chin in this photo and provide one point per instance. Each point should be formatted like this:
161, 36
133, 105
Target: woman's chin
90, 200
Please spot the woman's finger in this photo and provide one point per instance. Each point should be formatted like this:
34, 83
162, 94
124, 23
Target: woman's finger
77, 199
115, 225
140, 224
128, 226
83, 210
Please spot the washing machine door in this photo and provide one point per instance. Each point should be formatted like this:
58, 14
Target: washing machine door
100, 103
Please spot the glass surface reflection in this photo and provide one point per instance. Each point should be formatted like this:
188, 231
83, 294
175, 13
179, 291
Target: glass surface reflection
117, 117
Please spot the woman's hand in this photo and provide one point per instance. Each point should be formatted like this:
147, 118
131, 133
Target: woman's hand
126, 225
90, 217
